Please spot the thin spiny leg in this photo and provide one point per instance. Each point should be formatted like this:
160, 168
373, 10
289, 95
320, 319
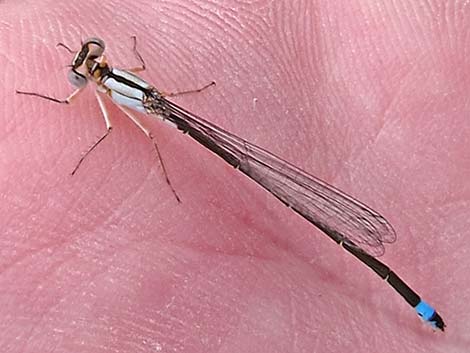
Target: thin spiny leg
165, 94
149, 135
138, 56
67, 100
181, 93
109, 128
167, 179
66, 47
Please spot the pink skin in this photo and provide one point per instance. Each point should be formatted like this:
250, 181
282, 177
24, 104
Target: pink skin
373, 99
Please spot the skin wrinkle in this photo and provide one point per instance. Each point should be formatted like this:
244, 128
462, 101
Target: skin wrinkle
38, 318
379, 130
117, 197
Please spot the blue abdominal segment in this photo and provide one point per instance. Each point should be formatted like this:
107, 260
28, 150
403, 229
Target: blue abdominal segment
429, 315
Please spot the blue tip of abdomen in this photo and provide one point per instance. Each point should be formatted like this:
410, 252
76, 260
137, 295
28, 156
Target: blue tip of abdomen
429, 315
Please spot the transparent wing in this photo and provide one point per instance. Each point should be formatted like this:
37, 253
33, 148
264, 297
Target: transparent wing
338, 215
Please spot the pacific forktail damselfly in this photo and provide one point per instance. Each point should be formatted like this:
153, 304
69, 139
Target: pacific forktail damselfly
357, 228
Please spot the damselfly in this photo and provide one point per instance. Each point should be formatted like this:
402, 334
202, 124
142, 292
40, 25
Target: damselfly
357, 228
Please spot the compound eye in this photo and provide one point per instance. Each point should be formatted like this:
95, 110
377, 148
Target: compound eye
93, 40
76, 79
95, 45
